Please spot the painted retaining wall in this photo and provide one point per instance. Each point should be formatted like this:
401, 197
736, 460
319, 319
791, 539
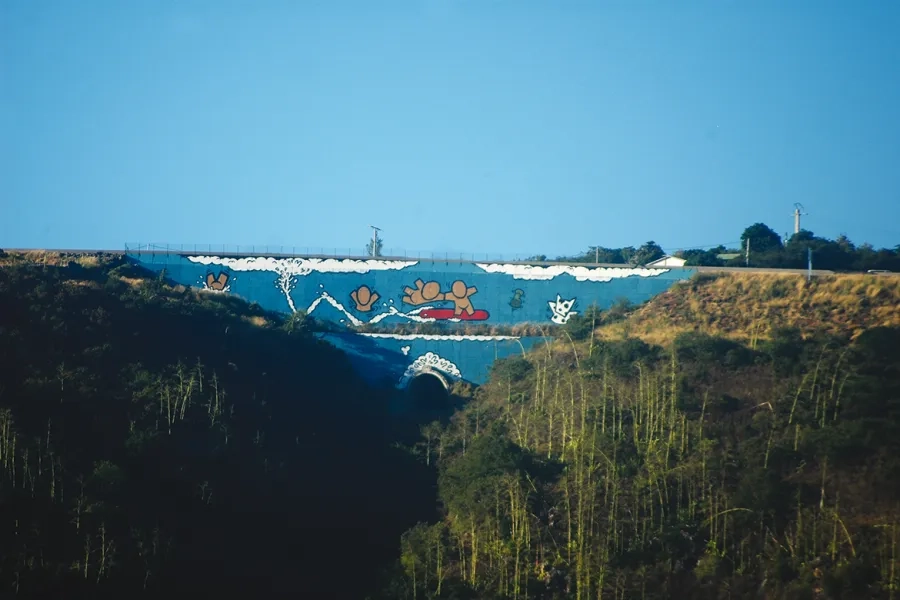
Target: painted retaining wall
355, 292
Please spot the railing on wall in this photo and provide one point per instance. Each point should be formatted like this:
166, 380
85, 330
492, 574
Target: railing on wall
312, 252
276, 251
316, 252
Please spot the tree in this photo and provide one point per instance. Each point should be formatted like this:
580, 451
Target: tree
649, 252
608, 255
762, 238
377, 241
702, 258
297, 323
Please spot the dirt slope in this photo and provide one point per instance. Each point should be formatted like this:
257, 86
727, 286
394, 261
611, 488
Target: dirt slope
749, 306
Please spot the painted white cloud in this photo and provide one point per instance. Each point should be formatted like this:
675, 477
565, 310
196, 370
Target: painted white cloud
540, 273
302, 266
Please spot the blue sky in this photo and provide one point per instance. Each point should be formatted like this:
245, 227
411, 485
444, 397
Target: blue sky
502, 126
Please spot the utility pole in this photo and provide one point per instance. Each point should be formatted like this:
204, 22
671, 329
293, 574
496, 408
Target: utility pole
797, 208
808, 264
596, 255
747, 254
375, 231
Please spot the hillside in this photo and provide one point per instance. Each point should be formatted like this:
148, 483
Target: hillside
165, 442
735, 437
719, 463
753, 306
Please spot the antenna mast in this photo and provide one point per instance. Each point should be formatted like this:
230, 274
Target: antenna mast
375, 231
797, 208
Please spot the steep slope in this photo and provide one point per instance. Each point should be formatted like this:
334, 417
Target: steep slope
752, 306
704, 468
162, 442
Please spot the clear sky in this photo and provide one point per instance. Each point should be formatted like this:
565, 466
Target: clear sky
513, 126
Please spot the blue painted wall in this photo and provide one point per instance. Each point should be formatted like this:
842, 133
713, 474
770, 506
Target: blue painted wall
391, 359
385, 292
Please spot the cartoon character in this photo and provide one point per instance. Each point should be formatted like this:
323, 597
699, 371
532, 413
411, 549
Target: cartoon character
459, 295
364, 298
424, 292
562, 310
517, 300
217, 283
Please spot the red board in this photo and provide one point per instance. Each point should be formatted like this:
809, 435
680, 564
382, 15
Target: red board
447, 313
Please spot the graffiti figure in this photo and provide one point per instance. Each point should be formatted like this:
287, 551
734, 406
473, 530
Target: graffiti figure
217, 283
459, 294
562, 310
516, 302
423, 292
364, 298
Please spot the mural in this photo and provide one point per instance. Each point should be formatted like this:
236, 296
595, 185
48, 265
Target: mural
542, 273
217, 284
561, 310
397, 358
430, 363
364, 298
517, 300
356, 291
423, 292
458, 294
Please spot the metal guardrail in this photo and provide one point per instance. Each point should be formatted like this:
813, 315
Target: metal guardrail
225, 250
322, 252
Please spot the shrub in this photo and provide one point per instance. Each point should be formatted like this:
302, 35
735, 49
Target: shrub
512, 368
698, 347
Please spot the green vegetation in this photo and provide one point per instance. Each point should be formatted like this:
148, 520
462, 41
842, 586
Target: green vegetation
765, 464
160, 442
702, 470
767, 250
738, 436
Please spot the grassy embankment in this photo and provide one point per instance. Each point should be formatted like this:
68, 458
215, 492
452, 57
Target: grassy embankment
752, 450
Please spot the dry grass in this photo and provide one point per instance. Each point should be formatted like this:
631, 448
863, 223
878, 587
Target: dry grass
256, 320
87, 260
750, 306
82, 283
133, 282
55, 259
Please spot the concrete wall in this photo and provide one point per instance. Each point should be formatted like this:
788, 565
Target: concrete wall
354, 292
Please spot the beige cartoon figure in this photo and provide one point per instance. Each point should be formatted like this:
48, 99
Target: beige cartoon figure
217, 283
364, 298
423, 292
459, 295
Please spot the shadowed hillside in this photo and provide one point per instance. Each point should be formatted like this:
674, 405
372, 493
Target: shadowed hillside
166, 442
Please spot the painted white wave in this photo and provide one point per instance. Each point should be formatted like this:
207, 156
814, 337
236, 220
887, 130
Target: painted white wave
412, 315
540, 273
450, 338
205, 286
303, 266
328, 298
430, 361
